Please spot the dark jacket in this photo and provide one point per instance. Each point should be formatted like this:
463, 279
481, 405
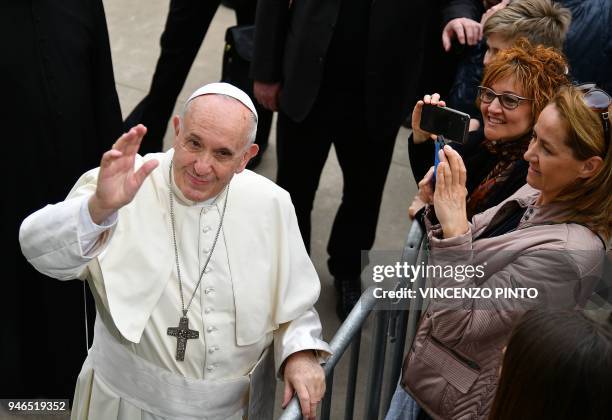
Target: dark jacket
291, 46
588, 44
471, 9
463, 93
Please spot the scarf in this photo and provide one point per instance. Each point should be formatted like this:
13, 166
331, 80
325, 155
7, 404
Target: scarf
507, 154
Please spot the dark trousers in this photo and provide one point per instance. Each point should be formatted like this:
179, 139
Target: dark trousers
302, 149
186, 26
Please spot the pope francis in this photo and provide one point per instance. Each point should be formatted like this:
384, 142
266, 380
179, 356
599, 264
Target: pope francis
198, 269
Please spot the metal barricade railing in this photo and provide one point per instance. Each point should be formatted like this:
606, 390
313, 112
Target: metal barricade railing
394, 329
387, 323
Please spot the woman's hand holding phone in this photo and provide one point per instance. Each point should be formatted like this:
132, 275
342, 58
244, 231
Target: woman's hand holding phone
419, 136
425, 194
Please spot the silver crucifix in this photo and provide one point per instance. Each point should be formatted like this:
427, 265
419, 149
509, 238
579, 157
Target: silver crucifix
182, 334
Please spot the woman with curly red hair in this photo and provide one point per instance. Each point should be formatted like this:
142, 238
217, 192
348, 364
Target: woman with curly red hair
517, 85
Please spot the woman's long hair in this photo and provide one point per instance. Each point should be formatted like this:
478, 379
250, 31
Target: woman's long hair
589, 200
558, 365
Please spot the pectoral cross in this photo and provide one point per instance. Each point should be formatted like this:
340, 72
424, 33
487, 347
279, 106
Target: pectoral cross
182, 334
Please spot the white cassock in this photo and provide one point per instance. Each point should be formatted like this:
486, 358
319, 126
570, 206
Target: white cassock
259, 288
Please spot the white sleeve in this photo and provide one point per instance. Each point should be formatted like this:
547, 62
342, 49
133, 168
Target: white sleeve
303, 333
89, 233
59, 240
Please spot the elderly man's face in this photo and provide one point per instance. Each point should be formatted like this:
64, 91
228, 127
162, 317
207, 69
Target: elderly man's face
210, 145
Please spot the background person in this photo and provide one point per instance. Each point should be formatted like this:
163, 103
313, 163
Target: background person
186, 26
60, 111
556, 366
541, 22
338, 72
589, 41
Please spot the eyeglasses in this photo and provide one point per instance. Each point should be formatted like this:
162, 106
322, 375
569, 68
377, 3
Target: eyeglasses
599, 101
507, 100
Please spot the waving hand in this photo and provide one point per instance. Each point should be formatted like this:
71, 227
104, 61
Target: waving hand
118, 183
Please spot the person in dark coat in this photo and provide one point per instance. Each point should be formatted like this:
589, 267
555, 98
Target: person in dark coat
186, 26
61, 110
588, 45
338, 73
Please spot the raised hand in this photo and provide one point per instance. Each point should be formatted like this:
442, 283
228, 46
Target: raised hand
450, 194
118, 183
464, 29
418, 135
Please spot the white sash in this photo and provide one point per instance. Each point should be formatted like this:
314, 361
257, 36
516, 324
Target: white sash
161, 392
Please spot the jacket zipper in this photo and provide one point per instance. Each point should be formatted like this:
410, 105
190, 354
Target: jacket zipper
470, 363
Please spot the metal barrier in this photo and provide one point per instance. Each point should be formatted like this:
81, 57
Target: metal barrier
391, 324
393, 328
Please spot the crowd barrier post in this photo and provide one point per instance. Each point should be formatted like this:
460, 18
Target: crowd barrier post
390, 326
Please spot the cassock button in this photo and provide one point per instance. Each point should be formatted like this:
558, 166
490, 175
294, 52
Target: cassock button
210, 368
206, 250
208, 270
206, 229
209, 290
211, 329
207, 310
213, 349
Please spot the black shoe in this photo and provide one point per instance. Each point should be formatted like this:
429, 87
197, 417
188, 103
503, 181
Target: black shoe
348, 293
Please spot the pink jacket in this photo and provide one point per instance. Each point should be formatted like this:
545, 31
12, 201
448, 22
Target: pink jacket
453, 366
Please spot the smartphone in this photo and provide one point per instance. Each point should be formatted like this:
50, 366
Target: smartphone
447, 122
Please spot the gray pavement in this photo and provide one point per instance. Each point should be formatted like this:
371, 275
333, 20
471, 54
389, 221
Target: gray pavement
135, 27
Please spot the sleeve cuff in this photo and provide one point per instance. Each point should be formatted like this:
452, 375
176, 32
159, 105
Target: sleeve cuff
303, 333
437, 240
91, 236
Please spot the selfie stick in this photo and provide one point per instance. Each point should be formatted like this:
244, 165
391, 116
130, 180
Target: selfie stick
439, 142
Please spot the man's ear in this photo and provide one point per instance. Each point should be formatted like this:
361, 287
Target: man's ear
590, 167
249, 154
176, 122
